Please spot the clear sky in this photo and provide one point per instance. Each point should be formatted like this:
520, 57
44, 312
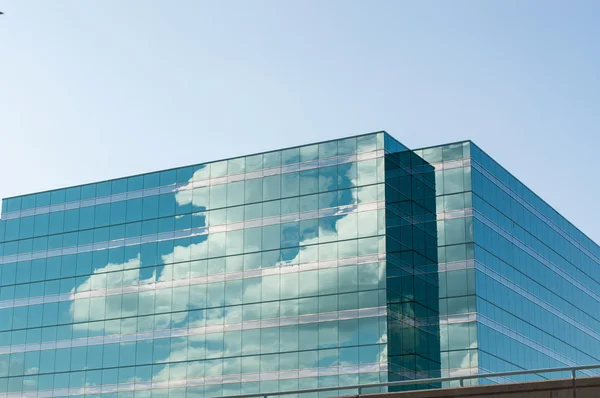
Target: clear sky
92, 90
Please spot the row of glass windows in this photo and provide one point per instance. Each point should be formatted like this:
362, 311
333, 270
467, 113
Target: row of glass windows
199, 172
489, 361
555, 341
574, 279
562, 340
219, 316
252, 290
329, 178
199, 199
60, 382
576, 289
148, 229
166, 224
541, 282
132, 211
114, 277
459, 150
275, 340
517, 354
537, 314
183, 250
534, 201
545, 264
530, 229
582, 276
310, 230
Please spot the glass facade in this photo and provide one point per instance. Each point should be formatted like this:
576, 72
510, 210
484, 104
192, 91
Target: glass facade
255, 274
521, 282
345, 262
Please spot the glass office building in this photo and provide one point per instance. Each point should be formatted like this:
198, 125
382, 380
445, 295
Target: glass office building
346, 262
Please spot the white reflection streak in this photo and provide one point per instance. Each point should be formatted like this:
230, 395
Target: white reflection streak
209, 380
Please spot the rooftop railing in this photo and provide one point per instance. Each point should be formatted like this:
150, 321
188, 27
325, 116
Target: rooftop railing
359, 390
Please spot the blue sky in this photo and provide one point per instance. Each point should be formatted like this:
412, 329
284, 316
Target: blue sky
96, 90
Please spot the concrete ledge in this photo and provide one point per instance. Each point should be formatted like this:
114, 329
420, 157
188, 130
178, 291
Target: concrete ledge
588, 387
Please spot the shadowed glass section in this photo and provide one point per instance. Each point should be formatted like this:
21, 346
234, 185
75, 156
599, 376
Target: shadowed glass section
412, 268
